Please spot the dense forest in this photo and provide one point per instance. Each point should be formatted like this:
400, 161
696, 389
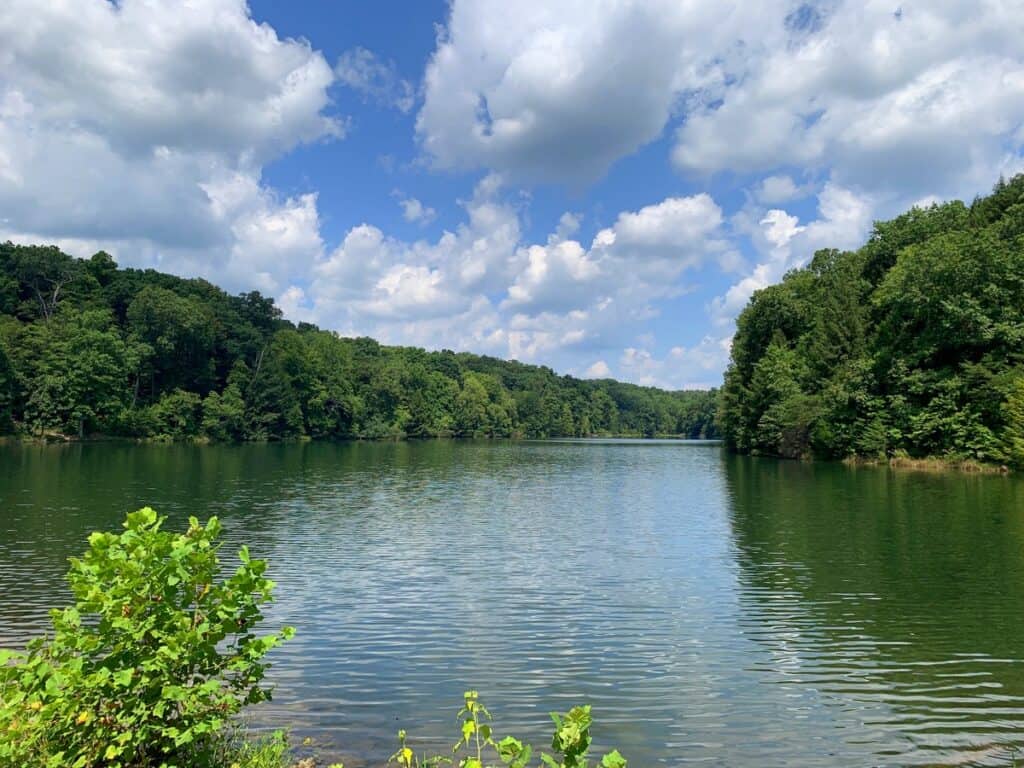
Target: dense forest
911, 345
89, 348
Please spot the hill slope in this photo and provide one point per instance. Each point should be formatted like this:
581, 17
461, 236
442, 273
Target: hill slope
87, 347
913, 343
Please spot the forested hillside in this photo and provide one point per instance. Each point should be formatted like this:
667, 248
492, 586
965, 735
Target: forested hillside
86, 347
912, 344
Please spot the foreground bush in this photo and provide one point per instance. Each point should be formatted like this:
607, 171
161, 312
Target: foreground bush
152, 662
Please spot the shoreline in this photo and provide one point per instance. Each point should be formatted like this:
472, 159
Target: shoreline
60, 439
904, 463
931, 464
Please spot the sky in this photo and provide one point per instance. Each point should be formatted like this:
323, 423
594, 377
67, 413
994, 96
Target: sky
593, 185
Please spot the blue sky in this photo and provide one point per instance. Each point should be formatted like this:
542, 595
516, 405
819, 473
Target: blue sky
594, 185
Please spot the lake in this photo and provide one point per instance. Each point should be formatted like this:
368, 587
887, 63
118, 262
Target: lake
712, 608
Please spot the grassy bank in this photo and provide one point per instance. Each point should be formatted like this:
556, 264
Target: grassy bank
932, 464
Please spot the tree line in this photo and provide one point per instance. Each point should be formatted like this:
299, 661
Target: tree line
87, 347
912, 344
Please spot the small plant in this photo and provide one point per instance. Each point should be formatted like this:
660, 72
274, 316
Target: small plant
266, 752
148, 667
477, 747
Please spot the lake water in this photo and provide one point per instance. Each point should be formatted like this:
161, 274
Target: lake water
712, 608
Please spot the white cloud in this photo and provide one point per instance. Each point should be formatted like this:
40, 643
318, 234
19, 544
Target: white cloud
554, 91
480, 287
630, 264
272, 239
371, 278
928, 100
676, 228
924, 101
696, 367
773, 190
560, 275
409, 292
416, 212
375, 79
863, 107
844, 219
599, 370
143, 127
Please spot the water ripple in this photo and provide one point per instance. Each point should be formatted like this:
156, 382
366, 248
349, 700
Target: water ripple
712, 609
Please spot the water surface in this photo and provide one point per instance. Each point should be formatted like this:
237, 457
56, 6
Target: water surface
712, 608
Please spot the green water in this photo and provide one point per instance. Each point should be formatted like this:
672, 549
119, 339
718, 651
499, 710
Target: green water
712, 608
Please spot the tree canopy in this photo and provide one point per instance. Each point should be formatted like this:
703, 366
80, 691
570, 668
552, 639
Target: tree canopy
87, 347
914, 343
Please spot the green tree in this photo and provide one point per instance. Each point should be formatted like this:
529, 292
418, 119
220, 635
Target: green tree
46, 275
566, 424
471, 407
224, 415
784, 413
7, 387
908, 344
177, 415
273, 406
258, 376
1013, 434
77, 370
179, 334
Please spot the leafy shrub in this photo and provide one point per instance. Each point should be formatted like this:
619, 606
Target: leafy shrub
265, 752
478, 745
177, 415
152, 661
224, 415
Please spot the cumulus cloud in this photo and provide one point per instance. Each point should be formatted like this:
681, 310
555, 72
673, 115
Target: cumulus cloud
599, 370
143, 128
865, 108
875, 99
375, 79
844, 219
371, 277
416, 212
554, 91
925, 100
638, 259
773, 190
695, 367
480, 286
557, 276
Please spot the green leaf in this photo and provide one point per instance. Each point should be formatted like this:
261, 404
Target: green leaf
142, 518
